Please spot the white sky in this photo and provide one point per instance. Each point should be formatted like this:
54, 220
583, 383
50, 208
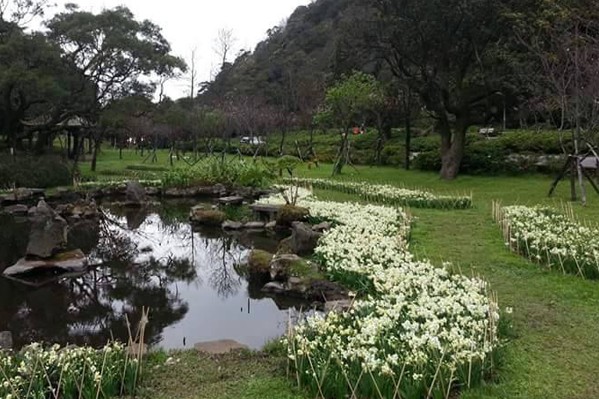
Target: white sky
189, 24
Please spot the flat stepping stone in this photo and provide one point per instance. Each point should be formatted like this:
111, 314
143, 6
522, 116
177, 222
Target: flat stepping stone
17, 210
231, 225
231, 200
268, 210
69, 262
254, 225
219, 347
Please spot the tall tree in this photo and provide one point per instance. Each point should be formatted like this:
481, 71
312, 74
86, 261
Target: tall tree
224, 44
21, 12
450, 52
347, 104
117, 53
36, 84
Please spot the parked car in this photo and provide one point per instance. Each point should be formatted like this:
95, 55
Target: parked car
252, 140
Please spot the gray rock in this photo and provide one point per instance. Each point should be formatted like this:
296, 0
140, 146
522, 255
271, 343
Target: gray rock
48, 232
79, 209
153, 191
6, 340
22, 194
204, 217
83, 234
254, 225
297, 286
135, 192
235, 200
231, 225
68, 262
17, 210
274, 288
327, 290
271, 225
303, 239
341, 305
219, 189
321, 227
197, 208
280, 264
219, 347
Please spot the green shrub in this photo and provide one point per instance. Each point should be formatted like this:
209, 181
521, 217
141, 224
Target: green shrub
37, 172
393, 155
543, 142
237, 172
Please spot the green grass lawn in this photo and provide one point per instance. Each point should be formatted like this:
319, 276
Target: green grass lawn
553, 352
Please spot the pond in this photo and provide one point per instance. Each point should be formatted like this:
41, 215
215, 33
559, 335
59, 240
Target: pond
152, 258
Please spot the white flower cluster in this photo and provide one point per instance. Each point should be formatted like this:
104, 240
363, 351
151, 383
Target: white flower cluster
38, 372
551, 238
387, 194
412, 321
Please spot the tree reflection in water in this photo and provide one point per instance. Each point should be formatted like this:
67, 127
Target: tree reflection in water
145, 256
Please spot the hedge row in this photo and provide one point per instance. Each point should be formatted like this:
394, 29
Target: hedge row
482, 155
40, 172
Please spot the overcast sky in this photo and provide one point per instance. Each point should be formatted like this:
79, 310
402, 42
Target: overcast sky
189, 24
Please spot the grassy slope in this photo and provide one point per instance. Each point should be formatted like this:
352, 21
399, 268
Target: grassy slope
240, 375
555, 350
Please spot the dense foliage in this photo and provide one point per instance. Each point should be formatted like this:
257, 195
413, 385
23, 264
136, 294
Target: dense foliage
39, 172
210, 171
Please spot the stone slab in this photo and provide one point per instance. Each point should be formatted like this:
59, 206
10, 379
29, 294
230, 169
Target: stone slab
70, 262
219, 347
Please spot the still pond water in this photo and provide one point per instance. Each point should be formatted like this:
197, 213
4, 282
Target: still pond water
188, 278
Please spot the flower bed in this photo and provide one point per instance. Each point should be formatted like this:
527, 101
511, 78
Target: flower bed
389, 195
415, 330
71, 372
550, 238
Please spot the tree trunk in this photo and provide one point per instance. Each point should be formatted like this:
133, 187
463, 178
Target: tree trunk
342, 154
282, 143
95, 154
408, 141
452, 151
76, 147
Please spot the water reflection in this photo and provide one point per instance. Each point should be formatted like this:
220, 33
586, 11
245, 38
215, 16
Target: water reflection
151, 258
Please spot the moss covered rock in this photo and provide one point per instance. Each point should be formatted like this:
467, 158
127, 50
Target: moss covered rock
259, 262
290, 213
208, 217
285, 246
284, 266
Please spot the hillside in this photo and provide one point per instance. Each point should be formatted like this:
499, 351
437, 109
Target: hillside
302, 52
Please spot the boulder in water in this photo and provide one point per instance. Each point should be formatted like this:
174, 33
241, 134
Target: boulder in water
67, 262
48, 232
